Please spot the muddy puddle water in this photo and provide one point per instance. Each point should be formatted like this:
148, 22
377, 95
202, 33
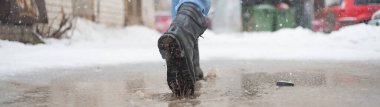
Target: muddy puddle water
232, 84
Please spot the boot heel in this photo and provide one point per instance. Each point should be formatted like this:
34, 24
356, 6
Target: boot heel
164, 45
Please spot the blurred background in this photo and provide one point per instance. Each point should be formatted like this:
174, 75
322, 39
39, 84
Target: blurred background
53, 18
103, 53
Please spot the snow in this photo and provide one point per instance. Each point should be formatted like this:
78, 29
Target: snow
94, 45
90, 45
359, 42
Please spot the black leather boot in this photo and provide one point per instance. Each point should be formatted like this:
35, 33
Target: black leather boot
179, 46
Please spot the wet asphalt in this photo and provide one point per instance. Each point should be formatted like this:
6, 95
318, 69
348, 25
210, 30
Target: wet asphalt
230, 83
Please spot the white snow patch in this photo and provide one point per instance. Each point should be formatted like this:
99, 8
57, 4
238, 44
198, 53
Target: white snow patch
90, 45
359, 42
93, 44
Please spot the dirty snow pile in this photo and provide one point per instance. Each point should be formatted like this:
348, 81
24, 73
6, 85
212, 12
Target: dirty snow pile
94, 45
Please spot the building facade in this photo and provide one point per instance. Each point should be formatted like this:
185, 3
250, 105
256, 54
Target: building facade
115, 13
20, 20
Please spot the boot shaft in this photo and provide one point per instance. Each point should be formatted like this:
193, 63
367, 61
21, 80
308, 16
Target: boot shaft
190, 19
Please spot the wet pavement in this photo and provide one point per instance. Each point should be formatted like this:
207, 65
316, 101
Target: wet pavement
229, 84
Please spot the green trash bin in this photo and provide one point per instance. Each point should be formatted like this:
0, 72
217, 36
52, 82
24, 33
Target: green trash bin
262, 18
285, 18
268, 18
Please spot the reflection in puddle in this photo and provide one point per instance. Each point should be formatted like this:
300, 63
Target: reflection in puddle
252, 83
237, 87
135, 89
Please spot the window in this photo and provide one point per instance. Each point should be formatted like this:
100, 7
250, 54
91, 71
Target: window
367, 1
361, 2
374, 1
377, 17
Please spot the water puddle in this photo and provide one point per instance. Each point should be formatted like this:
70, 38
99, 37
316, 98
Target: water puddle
224, 87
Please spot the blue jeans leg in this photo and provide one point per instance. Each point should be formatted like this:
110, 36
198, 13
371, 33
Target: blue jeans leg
203, 6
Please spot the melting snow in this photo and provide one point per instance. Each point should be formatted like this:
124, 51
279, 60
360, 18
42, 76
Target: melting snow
93, 44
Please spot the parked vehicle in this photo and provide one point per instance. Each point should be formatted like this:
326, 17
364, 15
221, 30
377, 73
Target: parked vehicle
375, 20
163, 21
344, 13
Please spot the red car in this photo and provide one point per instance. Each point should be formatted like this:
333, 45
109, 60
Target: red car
346, 12
163, 21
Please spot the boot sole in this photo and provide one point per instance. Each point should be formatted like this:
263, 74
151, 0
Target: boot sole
179, 76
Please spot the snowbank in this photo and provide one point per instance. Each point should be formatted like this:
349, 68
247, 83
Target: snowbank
359, 42
90, 45
93, 44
